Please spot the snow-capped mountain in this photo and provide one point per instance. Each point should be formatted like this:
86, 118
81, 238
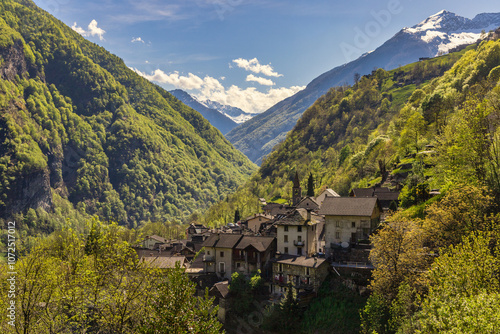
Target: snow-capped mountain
437, 34
445, 30
236, 114
216, 118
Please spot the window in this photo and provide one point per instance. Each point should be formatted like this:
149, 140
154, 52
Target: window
299, 238
299, 228
285, 238
337, 235
238, 264
286, 228
208, 252
353, 224
221, 254
280, 267
222, 267
337, 223
299, 251
286, 250
307, 271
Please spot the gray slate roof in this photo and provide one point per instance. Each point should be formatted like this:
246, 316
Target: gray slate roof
302, 261
299, 217
348, 206
221, 240
261, 244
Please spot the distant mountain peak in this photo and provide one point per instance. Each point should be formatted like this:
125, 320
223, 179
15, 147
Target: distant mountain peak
445, 30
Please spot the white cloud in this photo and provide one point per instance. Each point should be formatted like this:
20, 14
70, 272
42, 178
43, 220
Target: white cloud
260, 80
137, 40
92, 30
249, 99
253, 65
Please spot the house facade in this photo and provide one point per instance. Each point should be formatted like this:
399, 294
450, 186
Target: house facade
299, 272
228, 253
349, 220
218, 256
152, 242
254, 222
254, 253
297, 233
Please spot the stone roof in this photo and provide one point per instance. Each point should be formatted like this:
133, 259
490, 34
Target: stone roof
164, 262
261, 244
305, 199
299, 216
261, 215
222, 240
348, 206
310, 262
156, 237
221, 288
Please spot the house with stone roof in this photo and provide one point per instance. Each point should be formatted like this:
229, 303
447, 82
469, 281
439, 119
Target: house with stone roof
308, 203
218, 256
349, 219
299, 272
254, 253
228, 253
385, 196
297, 233
152, 242
253, 223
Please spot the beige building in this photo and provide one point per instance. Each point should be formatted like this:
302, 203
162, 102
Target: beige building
218, 256
326, 193
254, 222
348, 220
152, 242
300, 272
297, 233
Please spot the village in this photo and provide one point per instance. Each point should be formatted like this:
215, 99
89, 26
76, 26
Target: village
292, 246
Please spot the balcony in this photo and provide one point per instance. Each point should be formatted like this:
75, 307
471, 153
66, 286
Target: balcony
208, 258
298, 243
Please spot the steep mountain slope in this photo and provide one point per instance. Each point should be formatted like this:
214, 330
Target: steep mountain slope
216, 118
439, 33
77, 123
373, 132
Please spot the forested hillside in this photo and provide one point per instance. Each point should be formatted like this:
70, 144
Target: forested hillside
418, 128
79, 129
355, 136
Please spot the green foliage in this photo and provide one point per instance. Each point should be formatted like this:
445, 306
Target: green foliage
335, 310
91, 282
113, 144
464, 290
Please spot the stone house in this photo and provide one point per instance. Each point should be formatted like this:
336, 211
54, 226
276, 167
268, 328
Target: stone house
348, 220
218, 256
254, 222
300, 272
297, 233
152, 242
253, 253
308, 203
326, 193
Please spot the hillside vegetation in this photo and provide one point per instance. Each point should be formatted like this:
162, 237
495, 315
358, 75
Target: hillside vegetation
80, 130
428, 125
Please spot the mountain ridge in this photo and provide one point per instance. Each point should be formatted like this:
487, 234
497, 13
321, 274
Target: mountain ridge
215, 117
257, 137
80, 128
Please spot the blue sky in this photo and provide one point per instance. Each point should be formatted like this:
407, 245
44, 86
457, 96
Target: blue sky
246, 53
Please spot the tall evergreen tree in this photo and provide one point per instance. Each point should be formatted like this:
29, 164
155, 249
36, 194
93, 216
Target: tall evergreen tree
310, 185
